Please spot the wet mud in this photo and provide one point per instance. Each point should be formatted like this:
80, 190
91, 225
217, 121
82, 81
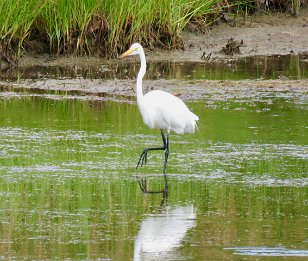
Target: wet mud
123, 90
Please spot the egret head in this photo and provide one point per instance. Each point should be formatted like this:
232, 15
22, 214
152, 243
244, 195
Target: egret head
135, 49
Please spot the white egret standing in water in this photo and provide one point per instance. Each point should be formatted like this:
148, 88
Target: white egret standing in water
160, 110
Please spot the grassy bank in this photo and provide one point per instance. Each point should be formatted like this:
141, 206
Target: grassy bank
107, 27
85, 26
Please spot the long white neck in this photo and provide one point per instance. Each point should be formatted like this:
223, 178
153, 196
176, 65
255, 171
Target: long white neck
141, 73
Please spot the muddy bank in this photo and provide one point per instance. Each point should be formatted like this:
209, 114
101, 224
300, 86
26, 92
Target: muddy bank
123, 90
277, 34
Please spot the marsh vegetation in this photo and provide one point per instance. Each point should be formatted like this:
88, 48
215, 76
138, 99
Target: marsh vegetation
107, 27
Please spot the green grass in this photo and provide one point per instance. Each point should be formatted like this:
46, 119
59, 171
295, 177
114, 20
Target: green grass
88, 26
16, 19
152, 22
103, 27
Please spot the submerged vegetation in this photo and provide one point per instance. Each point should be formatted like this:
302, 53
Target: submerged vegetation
106, 27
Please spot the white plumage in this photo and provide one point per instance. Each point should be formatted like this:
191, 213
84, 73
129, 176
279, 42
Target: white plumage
160, 109
163, 110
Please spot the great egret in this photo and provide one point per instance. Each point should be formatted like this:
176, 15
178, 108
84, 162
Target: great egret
160, 110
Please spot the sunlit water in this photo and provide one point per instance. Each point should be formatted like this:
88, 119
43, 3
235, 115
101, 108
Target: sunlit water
237, 187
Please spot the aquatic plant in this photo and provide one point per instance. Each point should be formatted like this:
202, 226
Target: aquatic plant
16, 19
104, 27
63, 26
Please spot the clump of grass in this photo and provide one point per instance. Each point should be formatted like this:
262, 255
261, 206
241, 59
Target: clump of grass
16, 19
78, 26
153, 22
65, 23
104, 27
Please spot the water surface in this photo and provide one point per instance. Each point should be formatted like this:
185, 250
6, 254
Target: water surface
237, 187
293, 66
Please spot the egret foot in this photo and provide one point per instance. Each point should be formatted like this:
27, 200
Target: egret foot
144, 155
143, 158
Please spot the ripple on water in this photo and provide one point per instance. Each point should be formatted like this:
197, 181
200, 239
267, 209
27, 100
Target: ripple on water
268, 251
249, 164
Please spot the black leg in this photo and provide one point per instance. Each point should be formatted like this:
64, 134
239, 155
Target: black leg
166, 153
142, 161
144, 155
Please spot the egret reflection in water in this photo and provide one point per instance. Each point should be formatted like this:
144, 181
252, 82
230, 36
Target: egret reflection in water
161, 234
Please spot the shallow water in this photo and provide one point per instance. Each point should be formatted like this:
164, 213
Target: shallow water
293, 66
237, 187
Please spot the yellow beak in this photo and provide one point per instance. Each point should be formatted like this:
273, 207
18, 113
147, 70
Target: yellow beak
128, 52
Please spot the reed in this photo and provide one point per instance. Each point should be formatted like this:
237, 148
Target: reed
16, 19
103, 27
151, 22
106, 26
